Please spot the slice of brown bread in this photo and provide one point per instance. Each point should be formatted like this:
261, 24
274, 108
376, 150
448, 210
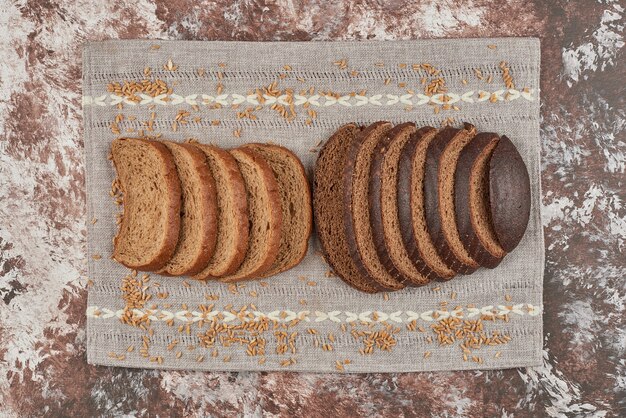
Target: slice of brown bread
264, 215
232, 213
356, 175
509, 194
295, 201
152, 199
411, 210
383, 205
328, 209
471, 201
441, 158
198, 219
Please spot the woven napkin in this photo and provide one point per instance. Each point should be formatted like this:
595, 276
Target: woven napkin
230, 93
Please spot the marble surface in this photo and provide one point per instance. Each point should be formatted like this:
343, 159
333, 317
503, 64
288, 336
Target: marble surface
43, 369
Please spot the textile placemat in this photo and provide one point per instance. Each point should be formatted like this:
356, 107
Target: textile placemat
297, 94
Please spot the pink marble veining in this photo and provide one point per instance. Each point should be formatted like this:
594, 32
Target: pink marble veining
43, 369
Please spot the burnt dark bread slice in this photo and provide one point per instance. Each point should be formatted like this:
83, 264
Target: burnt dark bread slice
358, 228
295, 201
232, 213
383, 206
264, 215
471, 201
441, 158
151, 188
328, 209
411, 216
509, 194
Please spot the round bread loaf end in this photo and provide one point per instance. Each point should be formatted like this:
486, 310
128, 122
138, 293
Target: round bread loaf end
509, 194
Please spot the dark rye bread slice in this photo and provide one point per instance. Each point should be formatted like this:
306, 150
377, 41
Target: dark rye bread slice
264, 215
295, 202
152, 198
383, 205
358, 228
509, 194
471, 201
232, 213
328, 209
198, 215
441, 158
411, 210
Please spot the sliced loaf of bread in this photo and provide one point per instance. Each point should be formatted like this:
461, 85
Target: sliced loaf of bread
264, 215
149, 182
471, 201
328, 194
509, 194
383, 205
358, 228
232, 213
441, 159
295, 201
411, 210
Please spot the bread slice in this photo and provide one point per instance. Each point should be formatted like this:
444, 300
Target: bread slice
471, 201
152, 199
509, 194
232, 213
411, 210
264, 215
383, 205
328, 209
198, 222
441, 159
295, 202
358, 228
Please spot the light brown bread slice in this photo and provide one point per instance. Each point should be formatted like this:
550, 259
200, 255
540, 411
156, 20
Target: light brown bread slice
152, 199
264, 215
383, 204
198, 219
232, 213
295, 201
359, 234
328, 194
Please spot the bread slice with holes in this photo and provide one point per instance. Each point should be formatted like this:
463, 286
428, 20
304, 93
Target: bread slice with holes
471, 201
441, 160
264, 215
411, 210
295, 202
198, 216
358, 227
232, 213
150, 225
383, 205
509, 194
328, 208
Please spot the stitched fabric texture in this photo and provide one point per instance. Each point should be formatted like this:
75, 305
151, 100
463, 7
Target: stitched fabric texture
297, 95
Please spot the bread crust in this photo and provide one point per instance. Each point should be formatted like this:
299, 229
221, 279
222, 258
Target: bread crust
432, 172
405, 199
320, 180
306, 209
171, 206
274, 211
239, 213
509, 194
349, 215
462, 202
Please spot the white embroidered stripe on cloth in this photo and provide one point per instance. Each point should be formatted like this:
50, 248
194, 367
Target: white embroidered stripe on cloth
297, 95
